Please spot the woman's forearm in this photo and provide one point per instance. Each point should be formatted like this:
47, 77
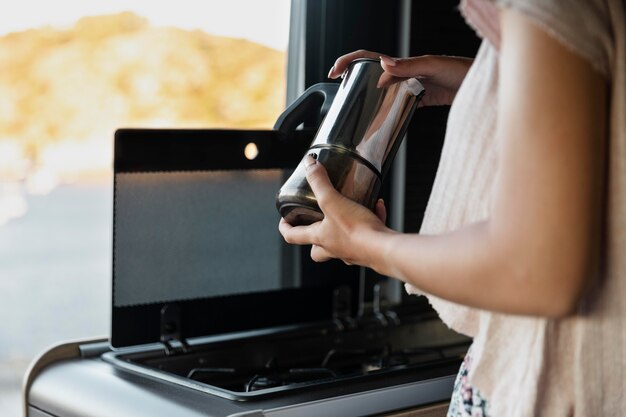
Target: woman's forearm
472, 266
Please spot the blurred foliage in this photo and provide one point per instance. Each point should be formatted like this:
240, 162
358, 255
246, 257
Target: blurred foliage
118, 71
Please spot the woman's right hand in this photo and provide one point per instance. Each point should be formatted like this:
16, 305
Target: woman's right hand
441, 76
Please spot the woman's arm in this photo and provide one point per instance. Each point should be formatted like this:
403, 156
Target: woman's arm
536, 252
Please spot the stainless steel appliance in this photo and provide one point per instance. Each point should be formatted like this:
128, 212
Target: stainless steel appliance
356, 141
214, 315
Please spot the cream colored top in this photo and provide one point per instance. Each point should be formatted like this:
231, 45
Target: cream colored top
527, 366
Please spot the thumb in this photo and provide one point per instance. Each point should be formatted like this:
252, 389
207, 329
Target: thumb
318, 180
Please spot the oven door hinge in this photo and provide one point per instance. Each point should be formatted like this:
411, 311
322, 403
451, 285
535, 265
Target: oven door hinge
171, 325
373, 314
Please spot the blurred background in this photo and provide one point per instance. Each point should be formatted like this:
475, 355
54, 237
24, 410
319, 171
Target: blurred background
71, 73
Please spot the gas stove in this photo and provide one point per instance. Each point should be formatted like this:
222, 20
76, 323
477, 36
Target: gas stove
250, 367
213, 314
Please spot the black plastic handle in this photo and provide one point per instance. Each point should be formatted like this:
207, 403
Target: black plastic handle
310, 108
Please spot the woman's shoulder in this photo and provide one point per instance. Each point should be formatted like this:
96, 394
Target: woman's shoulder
584, 26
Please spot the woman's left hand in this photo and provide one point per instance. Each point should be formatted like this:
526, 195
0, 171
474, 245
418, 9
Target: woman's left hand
346, 227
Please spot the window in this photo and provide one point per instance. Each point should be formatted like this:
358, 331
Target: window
71, 74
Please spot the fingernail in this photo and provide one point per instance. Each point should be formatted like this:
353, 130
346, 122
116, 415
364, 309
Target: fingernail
331, 71
310, 160
388, 61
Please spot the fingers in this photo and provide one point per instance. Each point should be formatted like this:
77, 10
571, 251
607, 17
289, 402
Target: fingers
380, 210
407, 67
300, 235
319, 254
396, 69
343, 61
317, 176
325, 194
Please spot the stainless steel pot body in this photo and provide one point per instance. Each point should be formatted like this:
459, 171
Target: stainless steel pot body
356, 141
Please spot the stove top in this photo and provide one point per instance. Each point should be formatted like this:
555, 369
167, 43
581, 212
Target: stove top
247, 368
336, 365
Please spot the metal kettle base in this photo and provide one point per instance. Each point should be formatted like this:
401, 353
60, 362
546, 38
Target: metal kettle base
351, 176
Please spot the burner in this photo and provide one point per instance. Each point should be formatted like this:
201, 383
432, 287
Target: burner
292, 376
259, 382
201, 373
383, 362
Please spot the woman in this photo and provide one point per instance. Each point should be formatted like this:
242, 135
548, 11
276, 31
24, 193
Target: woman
522, 243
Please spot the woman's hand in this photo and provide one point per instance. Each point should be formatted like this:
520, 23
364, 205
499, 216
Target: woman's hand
347, 228
440, 75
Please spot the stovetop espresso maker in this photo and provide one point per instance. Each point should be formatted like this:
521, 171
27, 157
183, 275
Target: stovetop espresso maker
357, 140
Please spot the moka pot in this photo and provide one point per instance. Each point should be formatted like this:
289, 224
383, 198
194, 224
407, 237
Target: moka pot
356, 141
